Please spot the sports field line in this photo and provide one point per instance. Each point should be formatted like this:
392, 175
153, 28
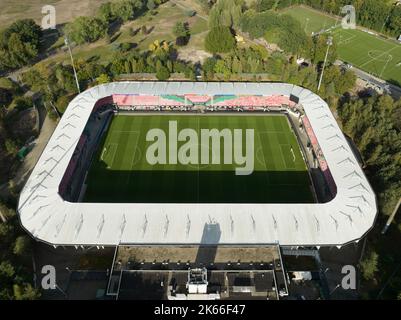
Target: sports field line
114, 154
344, 41
282, 145
264, 160
375, 58
123, 131
133, 155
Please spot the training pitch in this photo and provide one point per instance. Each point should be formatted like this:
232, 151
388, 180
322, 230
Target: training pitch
371, 53
120, 171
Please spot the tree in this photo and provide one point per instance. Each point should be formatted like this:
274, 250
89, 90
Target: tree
25, 292
19, 44
62, 103
7, 270
394, 22
11, 147
126, 9
162, 72
86, 29
14, 267
22, 103
181, 32
220, 39
6, 230
225, 13
257, 24
208, 68
105, 12
5, 97
263, 5
22, 245
283, 30
103, 78
180, 29
150, 4
223, 68
319, 48
369, 265
371, 125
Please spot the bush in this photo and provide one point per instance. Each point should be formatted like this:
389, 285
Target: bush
22, 103
62, 103
190, 13
220, 39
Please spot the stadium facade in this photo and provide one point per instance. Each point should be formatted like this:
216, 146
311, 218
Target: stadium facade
50, 216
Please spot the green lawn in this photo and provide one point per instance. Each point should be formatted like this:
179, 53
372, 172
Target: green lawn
372, 54
311, 20
120, 171
368, 52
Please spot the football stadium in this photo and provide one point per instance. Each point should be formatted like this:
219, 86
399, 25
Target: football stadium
95, 185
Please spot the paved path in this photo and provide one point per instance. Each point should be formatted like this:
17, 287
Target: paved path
395, 91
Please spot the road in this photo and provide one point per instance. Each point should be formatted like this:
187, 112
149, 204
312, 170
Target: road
395, 91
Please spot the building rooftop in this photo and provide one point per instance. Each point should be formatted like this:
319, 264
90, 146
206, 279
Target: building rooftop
48, 217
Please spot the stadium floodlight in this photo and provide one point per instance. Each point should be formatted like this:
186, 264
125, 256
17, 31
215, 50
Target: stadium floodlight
329, 43
67, 43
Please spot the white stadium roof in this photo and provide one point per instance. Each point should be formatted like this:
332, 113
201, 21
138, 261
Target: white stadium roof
49, 218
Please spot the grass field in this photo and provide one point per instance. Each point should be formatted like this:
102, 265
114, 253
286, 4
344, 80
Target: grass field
120, 171
368, 52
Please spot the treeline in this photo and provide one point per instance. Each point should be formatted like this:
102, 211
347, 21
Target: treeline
16, 273
57, 85
16, 126
381, 16
279, 67
374, 125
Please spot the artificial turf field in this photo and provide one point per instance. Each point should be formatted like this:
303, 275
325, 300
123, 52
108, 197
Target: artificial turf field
375, 55
120, 171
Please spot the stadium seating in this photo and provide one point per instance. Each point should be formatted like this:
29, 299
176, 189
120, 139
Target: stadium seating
319, 154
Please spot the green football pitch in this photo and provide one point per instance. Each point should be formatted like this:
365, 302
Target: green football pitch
120, 171
375, 55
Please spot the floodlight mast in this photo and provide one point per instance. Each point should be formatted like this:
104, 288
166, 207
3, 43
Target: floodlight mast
67, 43
329, 43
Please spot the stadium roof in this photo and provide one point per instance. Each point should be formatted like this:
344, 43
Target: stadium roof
49, 218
